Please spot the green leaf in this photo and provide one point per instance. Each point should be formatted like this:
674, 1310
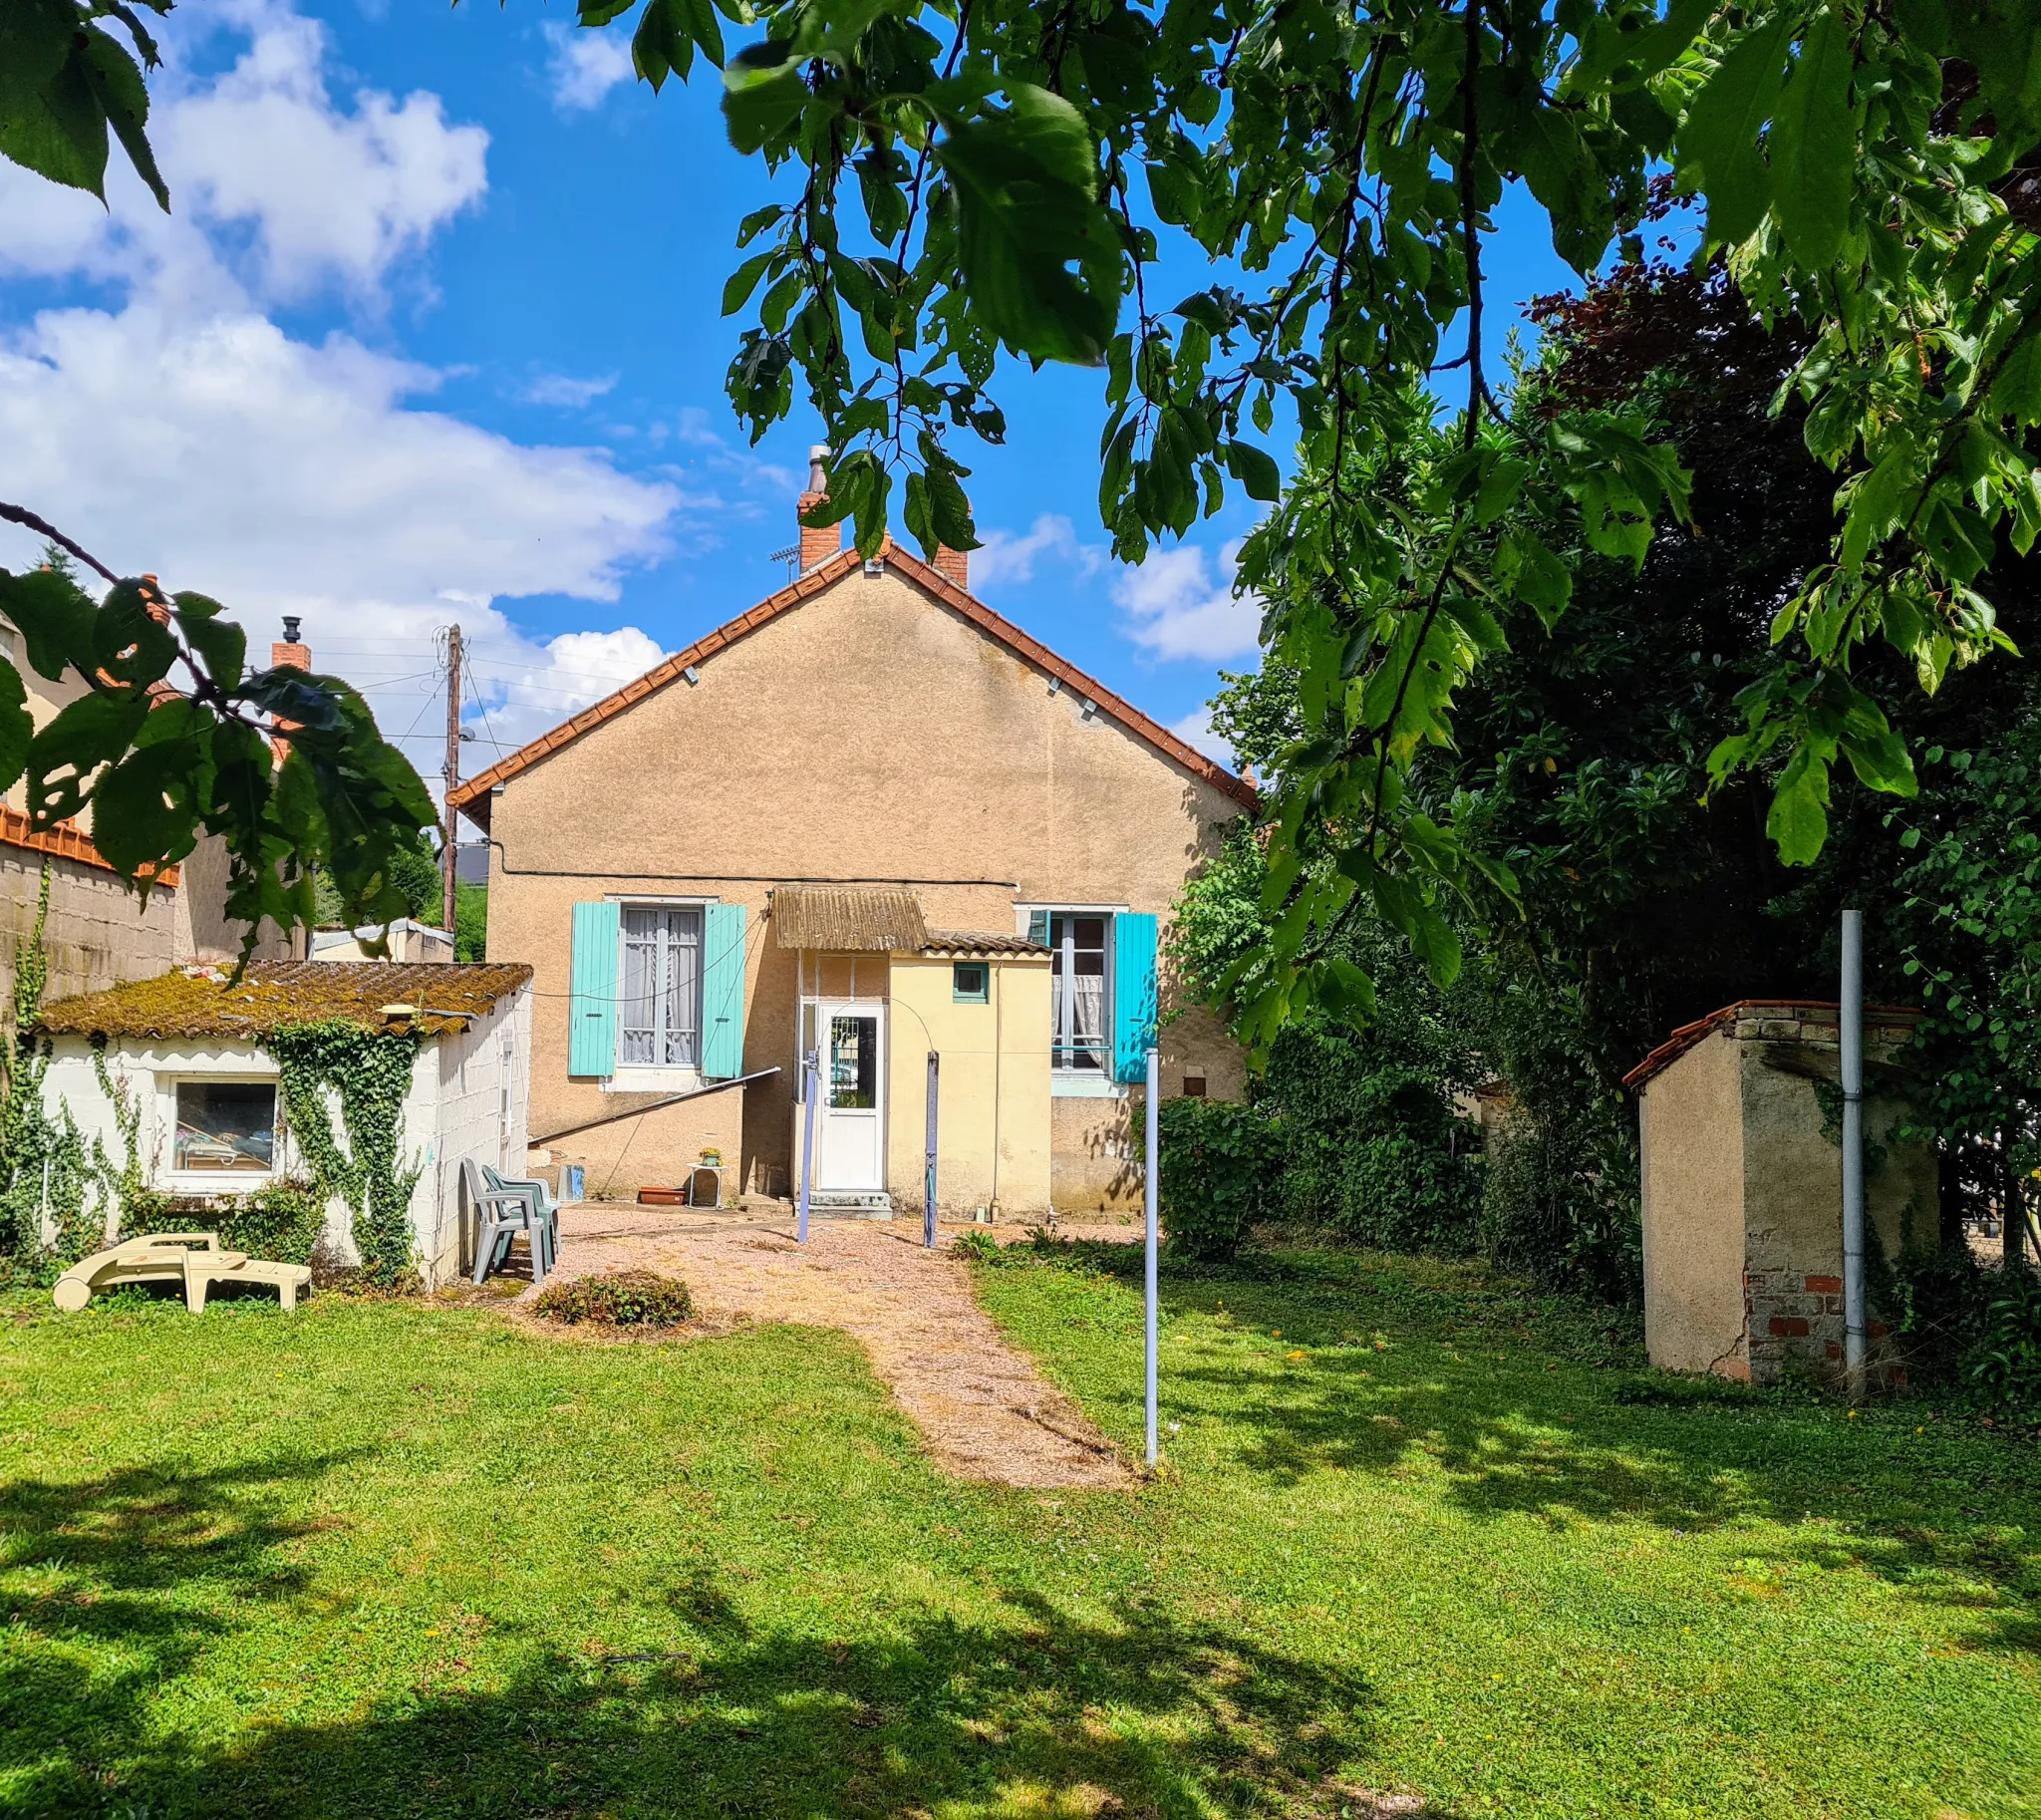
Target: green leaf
17, 728
950, 510
1814, 145
1797, 823
128, 646
1562, 173
219, 643
1717, 149
1256, 471
761, 99
92, 731
1880, 761
1027, 199
736, 291
55, 619
59, 129
137, 817
117, 87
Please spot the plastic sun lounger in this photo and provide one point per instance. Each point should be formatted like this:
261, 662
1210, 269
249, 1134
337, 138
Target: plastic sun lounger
193, 1259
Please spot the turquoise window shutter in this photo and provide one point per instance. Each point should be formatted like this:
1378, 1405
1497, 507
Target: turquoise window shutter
592, 1008
722, 992
1133, 996
1038, 927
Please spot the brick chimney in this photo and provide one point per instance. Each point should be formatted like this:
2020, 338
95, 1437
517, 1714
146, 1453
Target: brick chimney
955, 564
291, 651
817, 546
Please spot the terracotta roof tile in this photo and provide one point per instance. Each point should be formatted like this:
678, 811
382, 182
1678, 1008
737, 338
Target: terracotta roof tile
472, 796
1688, 1035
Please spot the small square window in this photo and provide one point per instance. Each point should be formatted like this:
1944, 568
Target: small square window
225, 1125
970, 983
1194, 1086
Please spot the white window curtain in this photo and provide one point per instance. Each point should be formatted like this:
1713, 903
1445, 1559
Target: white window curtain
1080, 995
661, 1020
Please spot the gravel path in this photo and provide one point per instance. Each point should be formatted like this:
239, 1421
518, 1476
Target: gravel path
983, 1407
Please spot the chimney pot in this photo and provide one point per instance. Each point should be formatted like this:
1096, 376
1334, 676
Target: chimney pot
291, 622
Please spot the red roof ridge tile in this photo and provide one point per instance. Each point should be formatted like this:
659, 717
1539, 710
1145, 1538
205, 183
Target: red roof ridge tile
472, 796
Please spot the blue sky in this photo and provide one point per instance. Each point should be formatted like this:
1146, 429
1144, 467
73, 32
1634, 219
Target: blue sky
433, 335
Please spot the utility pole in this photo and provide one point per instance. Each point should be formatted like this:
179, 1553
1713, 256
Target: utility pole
450, 857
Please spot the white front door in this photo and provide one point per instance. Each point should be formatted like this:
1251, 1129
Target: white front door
850, 1136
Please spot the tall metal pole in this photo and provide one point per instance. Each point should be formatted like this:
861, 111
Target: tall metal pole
450, 857
1152, 1171
928, 1192
811, 1086
1852, 1033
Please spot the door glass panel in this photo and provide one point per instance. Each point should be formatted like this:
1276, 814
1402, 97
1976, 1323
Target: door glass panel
855, 1064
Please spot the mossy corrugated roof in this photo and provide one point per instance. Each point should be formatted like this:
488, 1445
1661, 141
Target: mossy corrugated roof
207, 1001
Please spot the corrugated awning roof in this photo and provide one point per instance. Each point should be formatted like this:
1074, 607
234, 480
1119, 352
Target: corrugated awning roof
201, 1001
980, 941
873, 920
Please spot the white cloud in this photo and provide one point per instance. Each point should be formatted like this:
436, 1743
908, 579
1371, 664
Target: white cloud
565, 393
1011, 556
585, 64
1195, 728
526, 688
1176, 608
332, 194
182, 432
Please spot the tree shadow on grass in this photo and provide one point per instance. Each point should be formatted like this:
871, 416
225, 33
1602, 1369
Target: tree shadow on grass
1040, 1714
1469, 1392
111, 1586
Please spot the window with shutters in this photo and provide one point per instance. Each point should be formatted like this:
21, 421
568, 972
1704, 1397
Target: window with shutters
661, 1021
1081, 991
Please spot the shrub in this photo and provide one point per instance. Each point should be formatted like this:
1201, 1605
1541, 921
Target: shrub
1935, 1302
281, 1222
2005, 1364
628, 1298
1220, 1168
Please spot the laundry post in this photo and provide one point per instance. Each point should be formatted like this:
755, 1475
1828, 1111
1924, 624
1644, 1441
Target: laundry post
1151, 1170
927, 1195
811, 1087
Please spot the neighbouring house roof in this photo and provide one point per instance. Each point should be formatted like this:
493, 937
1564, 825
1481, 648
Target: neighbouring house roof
974, 942
205, 1001
472, 796
68, 840
1775, 1020
871, 921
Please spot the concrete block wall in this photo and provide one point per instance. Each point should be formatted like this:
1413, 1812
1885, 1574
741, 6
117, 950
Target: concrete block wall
99, 933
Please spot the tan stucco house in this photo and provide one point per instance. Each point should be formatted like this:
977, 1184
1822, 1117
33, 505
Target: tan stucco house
869, 819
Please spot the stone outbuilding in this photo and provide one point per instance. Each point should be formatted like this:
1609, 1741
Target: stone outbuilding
1739, 1118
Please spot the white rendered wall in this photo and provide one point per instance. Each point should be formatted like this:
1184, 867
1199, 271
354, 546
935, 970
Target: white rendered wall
479, 1090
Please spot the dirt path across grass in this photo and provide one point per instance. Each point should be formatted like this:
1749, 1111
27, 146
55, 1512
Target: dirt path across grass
983, 1407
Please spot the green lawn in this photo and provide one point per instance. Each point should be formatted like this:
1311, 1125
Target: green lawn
392, 1559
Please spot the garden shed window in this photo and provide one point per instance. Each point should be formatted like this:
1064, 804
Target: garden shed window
228, 1126
968, 983
662, 987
